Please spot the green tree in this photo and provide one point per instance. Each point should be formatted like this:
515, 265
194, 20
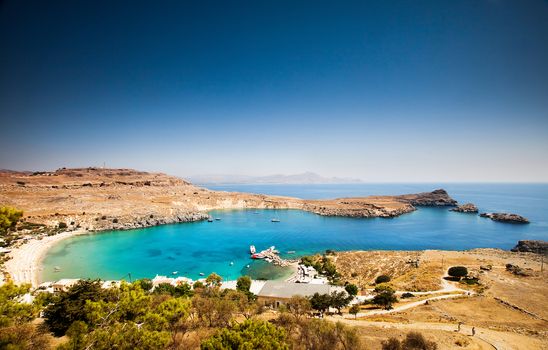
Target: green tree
243, 284
69, 306
249, 335
384, 296
320, 302
351, 289
146, 284
12, 310
180, 290
8, 218
213, 280
339, 300
354, 310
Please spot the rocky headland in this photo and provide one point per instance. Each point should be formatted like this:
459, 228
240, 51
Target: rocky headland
506, 217
97, 199
530, 246
465, 208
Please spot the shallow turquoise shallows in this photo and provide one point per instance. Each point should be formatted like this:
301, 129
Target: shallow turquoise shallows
205, 247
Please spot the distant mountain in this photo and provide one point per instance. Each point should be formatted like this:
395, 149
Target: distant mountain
304, 178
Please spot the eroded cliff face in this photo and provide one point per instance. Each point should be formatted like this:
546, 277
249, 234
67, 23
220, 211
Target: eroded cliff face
101, 199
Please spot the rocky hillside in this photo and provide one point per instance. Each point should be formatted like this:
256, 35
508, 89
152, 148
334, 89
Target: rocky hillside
99, 199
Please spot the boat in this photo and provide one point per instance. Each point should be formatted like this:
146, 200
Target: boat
218, 219
252, 249
257, 256
56, 269
275, 220
290, 252
202, 274
209, 220
231, 263
175, 272
247, 266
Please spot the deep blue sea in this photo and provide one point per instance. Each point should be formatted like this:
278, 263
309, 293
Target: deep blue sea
205, 247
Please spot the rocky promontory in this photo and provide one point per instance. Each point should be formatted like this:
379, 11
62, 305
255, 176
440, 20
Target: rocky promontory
436, 198
530, 246
96, 199
506, 217
466, 208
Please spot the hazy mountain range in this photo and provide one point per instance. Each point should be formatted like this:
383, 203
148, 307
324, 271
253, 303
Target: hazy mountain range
304, 178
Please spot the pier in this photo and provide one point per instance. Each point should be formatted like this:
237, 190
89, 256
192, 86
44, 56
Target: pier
270, 255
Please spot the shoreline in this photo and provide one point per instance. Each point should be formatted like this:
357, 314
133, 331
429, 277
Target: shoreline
24, 265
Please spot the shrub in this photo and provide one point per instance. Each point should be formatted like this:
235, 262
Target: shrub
351, 289
62, 225
457, 271
407, 295
382, 279
415, 340
391, 344
114, 221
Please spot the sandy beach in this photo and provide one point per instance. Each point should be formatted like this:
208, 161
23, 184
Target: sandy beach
25, 263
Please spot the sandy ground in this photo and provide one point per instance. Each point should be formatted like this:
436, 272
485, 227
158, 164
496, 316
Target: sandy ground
24, 265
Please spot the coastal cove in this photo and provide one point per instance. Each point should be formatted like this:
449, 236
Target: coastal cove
204, 247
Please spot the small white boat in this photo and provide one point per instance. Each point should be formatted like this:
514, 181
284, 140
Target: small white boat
218, 219
175, 272
290, 252
202, 274
231, 263
209, 220
247, 266
56, 269
252, 249
275, 220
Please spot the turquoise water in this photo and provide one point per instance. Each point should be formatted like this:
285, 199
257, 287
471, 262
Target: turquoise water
205, 247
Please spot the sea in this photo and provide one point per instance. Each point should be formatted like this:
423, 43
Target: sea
197, 249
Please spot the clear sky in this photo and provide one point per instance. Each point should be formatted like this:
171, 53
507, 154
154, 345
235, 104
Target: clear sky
378, 90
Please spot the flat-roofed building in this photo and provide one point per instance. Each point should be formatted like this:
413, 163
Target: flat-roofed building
276, 293
64, 284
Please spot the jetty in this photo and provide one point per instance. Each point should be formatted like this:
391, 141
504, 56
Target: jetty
270, 255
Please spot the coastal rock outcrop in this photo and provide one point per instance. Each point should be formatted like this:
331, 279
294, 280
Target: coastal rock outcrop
530, 246
437, 198
466, 208
506, 217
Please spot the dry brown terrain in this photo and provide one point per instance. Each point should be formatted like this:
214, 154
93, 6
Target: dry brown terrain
509, 311
97, 199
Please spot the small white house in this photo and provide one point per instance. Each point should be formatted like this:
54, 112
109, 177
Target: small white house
64, 284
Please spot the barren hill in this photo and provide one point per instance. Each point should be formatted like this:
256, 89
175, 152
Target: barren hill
99, 199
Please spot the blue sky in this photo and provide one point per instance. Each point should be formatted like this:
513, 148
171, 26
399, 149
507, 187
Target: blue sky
382, 91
